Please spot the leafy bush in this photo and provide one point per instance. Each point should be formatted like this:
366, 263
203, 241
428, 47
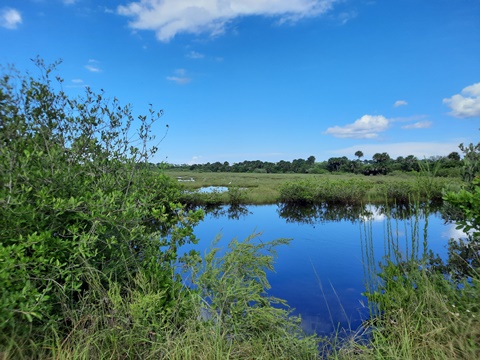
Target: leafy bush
349, 191
400, 191
89, 237
298, 192
78, 199
236, 195
233, 288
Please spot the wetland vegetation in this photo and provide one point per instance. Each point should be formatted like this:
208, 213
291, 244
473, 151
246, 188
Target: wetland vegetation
90, 234
255, 188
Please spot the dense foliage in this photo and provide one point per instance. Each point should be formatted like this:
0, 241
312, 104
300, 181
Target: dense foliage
380, 164
75, 200
90, 235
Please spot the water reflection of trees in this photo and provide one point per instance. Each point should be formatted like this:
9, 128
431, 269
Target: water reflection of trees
314, 214
320, 213
232, 212
405, 211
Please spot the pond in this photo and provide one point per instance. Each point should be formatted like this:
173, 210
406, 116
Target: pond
321, 273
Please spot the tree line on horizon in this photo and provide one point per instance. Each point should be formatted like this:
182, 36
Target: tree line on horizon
379, 164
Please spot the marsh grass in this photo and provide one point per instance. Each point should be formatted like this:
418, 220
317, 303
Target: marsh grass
257, 188
416, 312
264, 188
226, 314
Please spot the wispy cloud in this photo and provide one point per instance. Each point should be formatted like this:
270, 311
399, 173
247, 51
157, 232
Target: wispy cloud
367, 127
466, 104
76, 83
418, 125
346, 16
10, 18
400, 103
238, 157
171, 17
93, 66
196, 159
69, 2
195, 55
410, 118
180, 77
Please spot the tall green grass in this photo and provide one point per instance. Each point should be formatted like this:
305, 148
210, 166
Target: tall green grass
418, 311
310, 188
223, 313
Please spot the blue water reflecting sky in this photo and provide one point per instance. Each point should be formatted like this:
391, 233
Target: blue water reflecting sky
321, 272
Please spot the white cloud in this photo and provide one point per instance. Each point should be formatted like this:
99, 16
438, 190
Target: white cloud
419, 149
10, 18
400, 103
345, 17
180, 77
196, 159
451, 232
171, 17
77, 83
195, 55
93, 66
418, 125
181, 72
466, 104
373, 213
367, 127
179, 80
410, 118
69, 2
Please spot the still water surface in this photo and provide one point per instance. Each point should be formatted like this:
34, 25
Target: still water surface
321, 272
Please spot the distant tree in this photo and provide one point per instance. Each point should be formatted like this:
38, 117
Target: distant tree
311, 160
381, 162
410, 163
299, 166
283, 166
454, 156
381, 158
335, 163
359, 154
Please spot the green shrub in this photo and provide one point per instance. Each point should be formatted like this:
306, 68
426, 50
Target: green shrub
318, 191
303, 191
400, 191
234, 287
77, 197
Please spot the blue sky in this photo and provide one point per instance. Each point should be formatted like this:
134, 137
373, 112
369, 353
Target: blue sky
269, 79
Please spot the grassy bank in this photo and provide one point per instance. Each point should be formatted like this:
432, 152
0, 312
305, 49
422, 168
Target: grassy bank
226, 314
421, 316
252, 188
421, 307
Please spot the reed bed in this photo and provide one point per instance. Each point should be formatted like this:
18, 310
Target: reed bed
253, 188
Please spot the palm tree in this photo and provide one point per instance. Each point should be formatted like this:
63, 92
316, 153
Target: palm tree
359, 154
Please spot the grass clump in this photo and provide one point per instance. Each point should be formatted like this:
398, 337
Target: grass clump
421, 315
422, 307
225, 313
324, 190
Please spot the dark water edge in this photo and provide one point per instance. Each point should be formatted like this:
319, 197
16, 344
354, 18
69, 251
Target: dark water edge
321, 273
